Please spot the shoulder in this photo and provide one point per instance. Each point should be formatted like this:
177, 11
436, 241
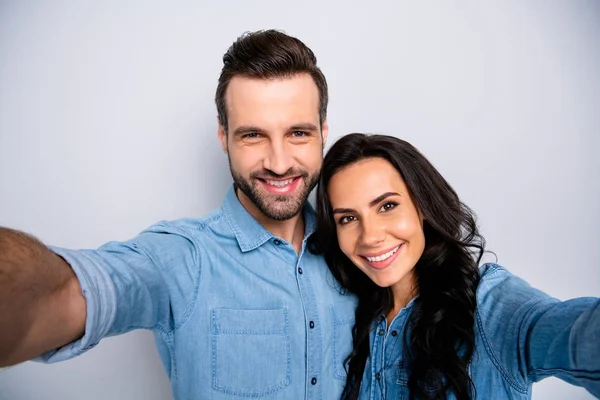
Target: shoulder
506, 304
191, 230
171, 243
187, 226
500, 289
498, 281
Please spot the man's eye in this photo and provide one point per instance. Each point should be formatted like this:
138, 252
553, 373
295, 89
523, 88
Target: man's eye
299, 134
251, 135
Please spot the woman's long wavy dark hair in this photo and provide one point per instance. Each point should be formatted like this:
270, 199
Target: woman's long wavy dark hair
439, 338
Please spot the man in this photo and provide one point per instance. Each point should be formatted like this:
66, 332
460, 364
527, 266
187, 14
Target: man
238, 305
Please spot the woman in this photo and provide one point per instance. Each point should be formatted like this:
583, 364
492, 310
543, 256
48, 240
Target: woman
430, 324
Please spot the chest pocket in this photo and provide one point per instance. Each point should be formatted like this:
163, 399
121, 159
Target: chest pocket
343, 322
243, 340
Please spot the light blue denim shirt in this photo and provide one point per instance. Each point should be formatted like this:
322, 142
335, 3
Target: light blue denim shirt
236, 312
522, 335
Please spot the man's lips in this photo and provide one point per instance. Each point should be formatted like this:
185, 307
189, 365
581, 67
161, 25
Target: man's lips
280, 186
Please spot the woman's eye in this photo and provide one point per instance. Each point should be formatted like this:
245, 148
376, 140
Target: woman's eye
388, 206
345, 219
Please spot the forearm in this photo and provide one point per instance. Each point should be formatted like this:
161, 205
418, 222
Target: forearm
39, 304
565, 343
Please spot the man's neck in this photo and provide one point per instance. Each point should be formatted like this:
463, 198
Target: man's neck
291, 230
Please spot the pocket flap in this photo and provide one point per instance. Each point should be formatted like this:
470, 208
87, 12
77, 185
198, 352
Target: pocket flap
255, 322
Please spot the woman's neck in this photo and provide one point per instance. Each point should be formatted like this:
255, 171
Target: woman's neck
402, 292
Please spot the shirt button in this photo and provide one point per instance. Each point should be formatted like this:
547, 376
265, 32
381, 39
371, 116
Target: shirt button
381, 332
300, 271
313, 381
394, 333
277, 242
377, 376
311, 324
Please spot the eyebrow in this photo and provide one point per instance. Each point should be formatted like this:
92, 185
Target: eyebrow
240, 130
306, 126
371, 203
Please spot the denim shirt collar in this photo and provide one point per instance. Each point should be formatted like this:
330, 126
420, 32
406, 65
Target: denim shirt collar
406, 310
249, 233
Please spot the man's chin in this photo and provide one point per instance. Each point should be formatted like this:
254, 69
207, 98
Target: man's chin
282, 212
272, 199
279, 209
275, 206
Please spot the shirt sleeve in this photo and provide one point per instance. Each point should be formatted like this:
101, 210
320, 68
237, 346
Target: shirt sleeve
147, 282
534, 336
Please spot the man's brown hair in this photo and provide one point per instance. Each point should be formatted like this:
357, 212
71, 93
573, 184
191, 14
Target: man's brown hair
268, 54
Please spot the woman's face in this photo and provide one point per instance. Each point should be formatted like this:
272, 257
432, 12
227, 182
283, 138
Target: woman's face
378, 226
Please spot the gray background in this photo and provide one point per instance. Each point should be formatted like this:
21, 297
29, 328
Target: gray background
107, 125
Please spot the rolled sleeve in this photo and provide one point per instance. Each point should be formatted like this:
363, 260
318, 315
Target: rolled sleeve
100, 296
145, 283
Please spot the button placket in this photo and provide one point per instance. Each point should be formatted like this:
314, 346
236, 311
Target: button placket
379, 356
313, 335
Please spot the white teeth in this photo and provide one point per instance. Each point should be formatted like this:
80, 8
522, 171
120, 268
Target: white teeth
384, 256
279, 183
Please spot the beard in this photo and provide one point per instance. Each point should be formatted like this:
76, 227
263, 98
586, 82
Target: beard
273, 206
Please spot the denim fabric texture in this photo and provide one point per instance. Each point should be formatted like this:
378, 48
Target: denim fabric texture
522, 335
235, 311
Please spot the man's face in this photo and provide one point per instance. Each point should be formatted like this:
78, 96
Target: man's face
275, 143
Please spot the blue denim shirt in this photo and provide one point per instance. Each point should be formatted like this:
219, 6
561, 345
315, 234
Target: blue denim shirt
235, 311
522, 335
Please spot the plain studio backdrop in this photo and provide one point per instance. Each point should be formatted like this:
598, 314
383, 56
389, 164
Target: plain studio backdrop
107, 125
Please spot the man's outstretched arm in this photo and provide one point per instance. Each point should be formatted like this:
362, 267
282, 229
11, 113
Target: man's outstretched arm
41, 303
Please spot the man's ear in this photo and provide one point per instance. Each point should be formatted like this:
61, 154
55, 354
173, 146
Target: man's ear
324, 132
222, 134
